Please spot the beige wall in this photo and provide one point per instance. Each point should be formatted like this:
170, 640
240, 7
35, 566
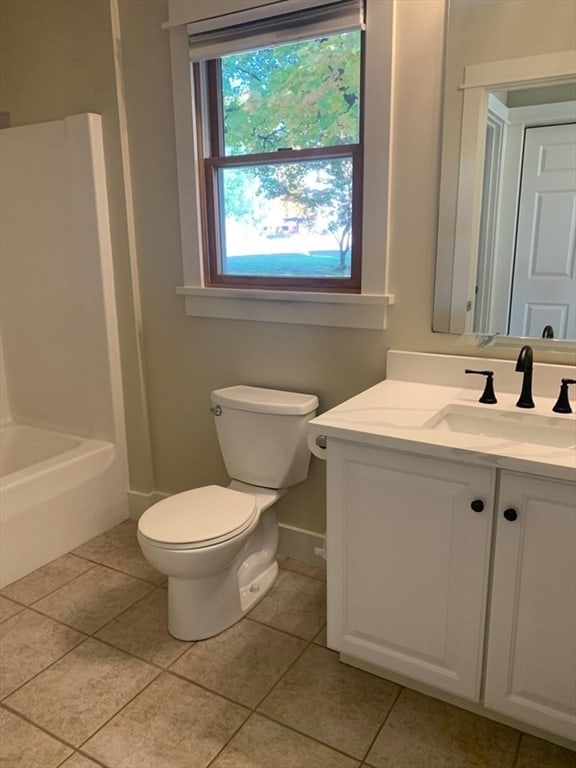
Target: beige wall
59, 60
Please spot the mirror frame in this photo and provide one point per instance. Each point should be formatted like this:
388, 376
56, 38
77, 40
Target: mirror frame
457, 258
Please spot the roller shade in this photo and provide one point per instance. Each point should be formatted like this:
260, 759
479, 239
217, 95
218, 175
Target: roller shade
279, 22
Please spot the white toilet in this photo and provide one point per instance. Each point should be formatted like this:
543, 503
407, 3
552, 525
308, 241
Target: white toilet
218, 545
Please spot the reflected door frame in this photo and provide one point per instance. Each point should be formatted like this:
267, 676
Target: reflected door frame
543, 289
496, 247
479, 80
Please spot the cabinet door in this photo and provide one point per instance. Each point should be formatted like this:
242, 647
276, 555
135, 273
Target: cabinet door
531, 670
408, 563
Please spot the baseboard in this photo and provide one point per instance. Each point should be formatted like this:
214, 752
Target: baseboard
300, 544
139, 502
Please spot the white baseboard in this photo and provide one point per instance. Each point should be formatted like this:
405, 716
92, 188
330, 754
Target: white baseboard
139, 502
301, 544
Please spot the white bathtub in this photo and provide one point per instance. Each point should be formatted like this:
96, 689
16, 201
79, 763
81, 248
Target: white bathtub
57, 491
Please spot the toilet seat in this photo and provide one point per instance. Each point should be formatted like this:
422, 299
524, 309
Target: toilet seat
198, 518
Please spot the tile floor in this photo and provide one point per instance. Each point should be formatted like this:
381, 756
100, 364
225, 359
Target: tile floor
90, 677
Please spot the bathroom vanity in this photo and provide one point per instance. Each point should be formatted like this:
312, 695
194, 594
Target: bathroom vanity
451, 537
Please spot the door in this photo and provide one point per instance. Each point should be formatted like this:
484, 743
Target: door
544, 281
408, 564
531, 666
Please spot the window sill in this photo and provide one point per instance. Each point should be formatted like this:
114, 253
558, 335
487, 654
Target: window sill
330, 309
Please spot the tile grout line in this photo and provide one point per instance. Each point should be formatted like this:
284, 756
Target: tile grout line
20, 606
39, 612
154, 665
307, 736
386, 717
167, 670
309, 644
51, 592
33, 606
44, 669
118, 570
284, 631
122, 708
122, 612
254, 710
87, 636
514, 762
223, 747
102, 564
26, 719
77, 752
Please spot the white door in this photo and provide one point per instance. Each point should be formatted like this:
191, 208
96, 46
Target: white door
531, 667
544, 280
408, 564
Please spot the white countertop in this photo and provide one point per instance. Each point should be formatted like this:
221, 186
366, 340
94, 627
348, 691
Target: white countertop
396, 413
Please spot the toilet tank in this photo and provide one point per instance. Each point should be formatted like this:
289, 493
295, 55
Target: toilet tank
262, 434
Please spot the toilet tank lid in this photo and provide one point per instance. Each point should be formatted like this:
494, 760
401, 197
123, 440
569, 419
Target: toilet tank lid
261, 400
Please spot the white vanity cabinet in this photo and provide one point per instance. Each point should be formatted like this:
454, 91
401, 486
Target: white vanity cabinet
531, 658
408, 563
409, 578
451, 537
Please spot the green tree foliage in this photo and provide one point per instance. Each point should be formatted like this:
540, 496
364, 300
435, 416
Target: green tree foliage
301, 95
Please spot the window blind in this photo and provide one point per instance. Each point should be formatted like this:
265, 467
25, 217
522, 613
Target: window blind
278, 22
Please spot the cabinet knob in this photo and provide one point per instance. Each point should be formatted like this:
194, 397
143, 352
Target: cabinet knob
510, 515
477, 505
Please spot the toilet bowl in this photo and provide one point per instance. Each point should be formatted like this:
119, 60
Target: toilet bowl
217, 545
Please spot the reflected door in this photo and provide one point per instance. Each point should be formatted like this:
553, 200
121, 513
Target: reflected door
544, 281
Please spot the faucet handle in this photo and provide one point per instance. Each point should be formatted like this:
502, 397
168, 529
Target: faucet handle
488, 395
563, 403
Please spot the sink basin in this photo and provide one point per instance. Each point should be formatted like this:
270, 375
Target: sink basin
521, 427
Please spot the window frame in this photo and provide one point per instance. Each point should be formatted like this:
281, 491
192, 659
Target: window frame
367, 309
211, 152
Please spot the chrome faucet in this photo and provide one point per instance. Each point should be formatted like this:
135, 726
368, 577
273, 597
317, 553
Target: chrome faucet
524, 365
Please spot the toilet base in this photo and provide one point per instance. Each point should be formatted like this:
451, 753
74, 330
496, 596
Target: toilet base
201, 608
252, 593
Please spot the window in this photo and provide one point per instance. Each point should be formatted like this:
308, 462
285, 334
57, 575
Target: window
282, 165
216, 166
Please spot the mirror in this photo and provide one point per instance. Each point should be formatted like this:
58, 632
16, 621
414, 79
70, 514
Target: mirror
506, 254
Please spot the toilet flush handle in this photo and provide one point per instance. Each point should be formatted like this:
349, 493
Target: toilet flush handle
216, 410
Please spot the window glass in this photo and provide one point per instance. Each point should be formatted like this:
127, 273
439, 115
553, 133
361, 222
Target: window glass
304, 94
284, 166
287, 219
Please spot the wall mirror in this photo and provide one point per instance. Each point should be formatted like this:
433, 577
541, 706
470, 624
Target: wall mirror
506, 253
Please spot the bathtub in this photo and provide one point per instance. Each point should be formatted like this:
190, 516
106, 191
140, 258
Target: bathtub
57, 491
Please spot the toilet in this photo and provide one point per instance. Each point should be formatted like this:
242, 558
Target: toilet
217, 545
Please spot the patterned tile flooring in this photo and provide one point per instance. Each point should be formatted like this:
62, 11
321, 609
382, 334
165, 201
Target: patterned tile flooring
89, 676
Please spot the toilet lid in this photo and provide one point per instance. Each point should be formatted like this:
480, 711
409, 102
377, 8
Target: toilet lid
205, 515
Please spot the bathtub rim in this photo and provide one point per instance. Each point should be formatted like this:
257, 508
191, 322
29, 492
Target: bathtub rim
85, 446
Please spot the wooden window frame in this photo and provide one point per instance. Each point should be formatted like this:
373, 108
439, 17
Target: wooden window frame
210, 149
